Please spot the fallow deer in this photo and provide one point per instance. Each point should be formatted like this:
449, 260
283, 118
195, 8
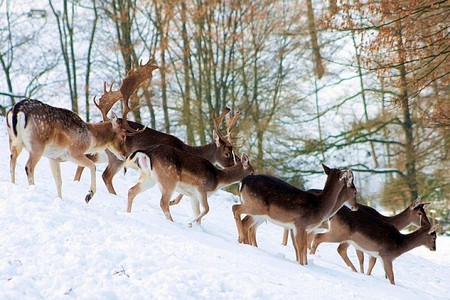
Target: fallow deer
176, 170
414, 214
218, 152
60, 135
267, 197
375, 237
347, 197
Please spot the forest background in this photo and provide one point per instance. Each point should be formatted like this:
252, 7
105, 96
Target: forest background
358, 84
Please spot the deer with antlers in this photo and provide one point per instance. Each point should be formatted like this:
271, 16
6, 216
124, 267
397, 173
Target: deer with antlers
219, 152
61, 135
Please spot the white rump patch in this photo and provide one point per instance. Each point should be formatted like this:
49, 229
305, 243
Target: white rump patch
144, 162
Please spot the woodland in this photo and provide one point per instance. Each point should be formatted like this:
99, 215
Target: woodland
355, 84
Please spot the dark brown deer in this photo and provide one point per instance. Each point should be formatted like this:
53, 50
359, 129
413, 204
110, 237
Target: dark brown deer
218, 152
375, 237
60, 135
347, 197
176, 170
414, 214
267, 197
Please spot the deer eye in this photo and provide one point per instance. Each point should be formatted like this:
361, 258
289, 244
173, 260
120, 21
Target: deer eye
227, 154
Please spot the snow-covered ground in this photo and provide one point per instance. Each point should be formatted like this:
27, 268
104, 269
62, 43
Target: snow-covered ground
53, 248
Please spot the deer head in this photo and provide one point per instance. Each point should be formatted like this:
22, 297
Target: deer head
227, 139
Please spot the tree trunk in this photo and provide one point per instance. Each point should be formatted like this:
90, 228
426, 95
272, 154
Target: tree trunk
407, 124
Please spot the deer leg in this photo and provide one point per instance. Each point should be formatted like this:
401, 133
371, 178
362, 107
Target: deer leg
360, 256
86, 162
250, 226
294, 244
252, 232
237, 211
285, 237
388, 269
305, 251
15, 152
114, 165
166, 194
204, 201
246, 223
342, 250
310, 238
300, 245
144, 183
33, 159
56, 171
372, 262
78, 173
195, 205
317, 240
330, 236
176, 200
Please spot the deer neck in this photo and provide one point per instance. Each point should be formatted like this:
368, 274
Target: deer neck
102, 134
413, 240
400, 220
330, 196
229, 175
206, 151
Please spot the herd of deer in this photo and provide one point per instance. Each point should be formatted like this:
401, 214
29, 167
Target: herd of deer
163, 159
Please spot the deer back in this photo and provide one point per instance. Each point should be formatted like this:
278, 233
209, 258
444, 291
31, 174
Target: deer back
371, 234
218, 152
285, 203
171, 166
54, 130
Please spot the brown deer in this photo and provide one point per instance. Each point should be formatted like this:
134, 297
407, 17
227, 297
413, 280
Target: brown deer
60, 135
176, 170
377, 238
414, 214
347, 197
219, 152
267, 197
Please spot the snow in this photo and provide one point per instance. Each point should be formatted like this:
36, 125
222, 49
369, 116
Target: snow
55, 248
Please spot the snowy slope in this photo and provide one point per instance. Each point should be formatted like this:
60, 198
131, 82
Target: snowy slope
63, 248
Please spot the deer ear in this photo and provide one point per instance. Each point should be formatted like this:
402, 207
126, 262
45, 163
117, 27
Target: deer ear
426, 205
114, 120
349, 177
415, 203
244, 160
326, 169
433, 229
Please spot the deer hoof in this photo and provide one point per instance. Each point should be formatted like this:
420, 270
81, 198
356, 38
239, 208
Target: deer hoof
89, 197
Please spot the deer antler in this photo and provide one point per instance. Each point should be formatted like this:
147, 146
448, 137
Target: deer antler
218, 121
129, 85
107, 100
231, 123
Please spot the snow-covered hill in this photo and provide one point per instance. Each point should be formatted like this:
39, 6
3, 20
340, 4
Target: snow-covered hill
54, 248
